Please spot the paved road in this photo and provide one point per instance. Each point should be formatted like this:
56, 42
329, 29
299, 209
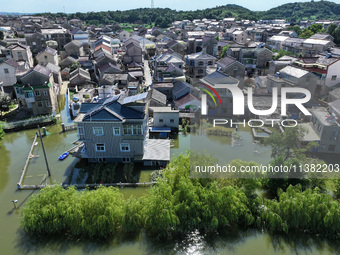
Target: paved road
147, 74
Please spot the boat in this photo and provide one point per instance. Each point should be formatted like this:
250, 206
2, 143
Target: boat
64, 155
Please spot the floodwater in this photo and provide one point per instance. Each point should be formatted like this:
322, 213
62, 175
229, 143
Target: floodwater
13, 152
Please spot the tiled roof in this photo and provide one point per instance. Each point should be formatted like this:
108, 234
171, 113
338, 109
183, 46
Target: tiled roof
226, 61
43, 70
12, 62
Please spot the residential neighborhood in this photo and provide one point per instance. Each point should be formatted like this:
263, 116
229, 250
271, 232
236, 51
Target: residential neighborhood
148, 118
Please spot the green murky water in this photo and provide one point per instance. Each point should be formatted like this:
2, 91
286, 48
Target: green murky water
13, 152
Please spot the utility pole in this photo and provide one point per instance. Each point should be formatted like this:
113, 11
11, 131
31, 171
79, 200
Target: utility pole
42, 145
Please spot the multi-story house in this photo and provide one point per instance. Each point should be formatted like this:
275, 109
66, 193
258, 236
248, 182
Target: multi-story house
74, 48
21, 52
116, 130
36, 92
216, 81
291, 76
198, 63
36, 41
49, 55
61, 35
326, 68
239, 36
255, 58
233, 68
327, 128
275, 42
133, 52
7, 73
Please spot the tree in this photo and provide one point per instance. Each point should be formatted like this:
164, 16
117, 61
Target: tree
284, 144
5, 102
331, 28
297, 29
74, 66
336, 35
224, 51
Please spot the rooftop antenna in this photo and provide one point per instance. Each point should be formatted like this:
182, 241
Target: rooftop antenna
152, 4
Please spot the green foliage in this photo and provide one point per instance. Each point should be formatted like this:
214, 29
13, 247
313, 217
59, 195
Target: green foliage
178, 204
281, 53
5, 103
224, 51
74, 66
2, 133
307, 211
297, 29
284, 144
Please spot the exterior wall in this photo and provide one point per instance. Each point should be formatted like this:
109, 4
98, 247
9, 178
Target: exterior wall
333, 70
263, 58
9, 78
166, 119
124, 35
112, 142
237, 71
37, 42
25, 55
45, 58
240, 38
329, 136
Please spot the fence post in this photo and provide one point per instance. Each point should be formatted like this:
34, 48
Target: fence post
63, 127
44, 131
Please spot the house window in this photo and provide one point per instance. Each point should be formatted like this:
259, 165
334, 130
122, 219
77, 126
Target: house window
200, 63
210, 63
126, 160
19, 55
116, 131
172, 120
137, 130
160, 120
235, 68
125, 147
28, 94
331, 147
34, 43
37, 93
127, 129
40, 104
98, 131
100, 147
45, 92
47, 103
6, 70
45, 57
200, 70
333, 77
81, 130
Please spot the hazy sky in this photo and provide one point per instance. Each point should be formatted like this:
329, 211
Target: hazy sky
72, 6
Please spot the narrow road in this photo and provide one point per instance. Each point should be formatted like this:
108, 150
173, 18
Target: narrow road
147, 74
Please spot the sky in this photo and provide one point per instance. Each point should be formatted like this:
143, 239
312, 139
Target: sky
71, 6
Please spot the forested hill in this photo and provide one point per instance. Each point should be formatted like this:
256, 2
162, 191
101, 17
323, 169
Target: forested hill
164, 16
306, 10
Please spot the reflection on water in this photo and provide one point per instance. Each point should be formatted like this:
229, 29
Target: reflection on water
226, 149
13, 152
231, 241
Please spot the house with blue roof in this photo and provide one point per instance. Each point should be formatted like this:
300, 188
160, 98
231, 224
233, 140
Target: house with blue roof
116, 130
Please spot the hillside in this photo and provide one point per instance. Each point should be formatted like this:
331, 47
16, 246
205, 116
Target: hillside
164, 16
306, 10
